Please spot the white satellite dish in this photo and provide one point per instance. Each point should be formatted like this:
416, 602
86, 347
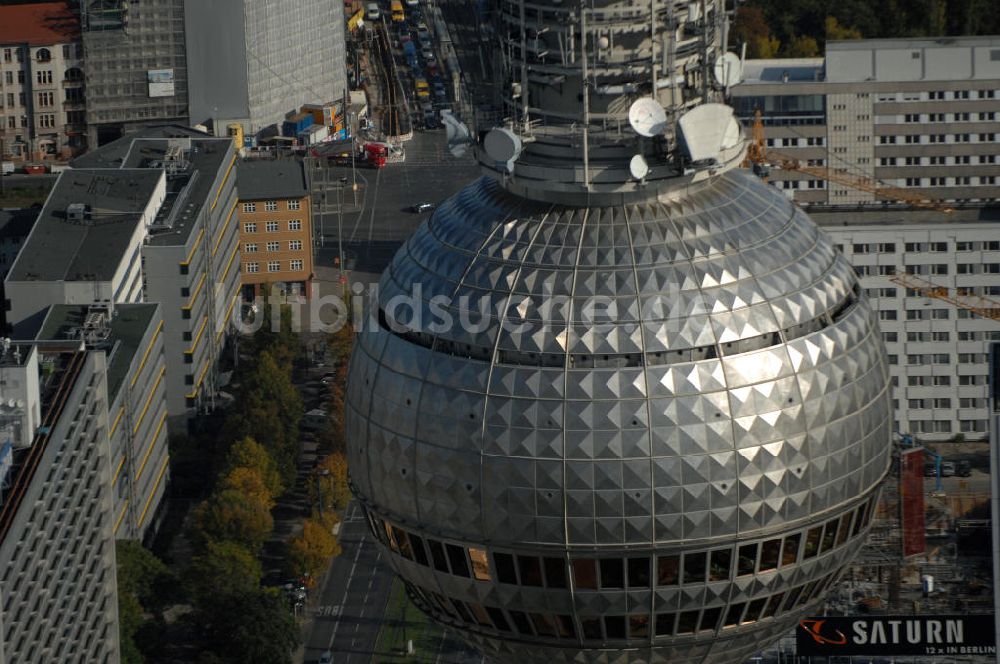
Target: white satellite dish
706, 130
638, 167
647, 117
728, 70
502, 145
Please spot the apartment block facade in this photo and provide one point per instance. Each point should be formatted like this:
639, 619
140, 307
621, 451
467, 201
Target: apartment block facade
42, 95
920, 114
131, 337
58, 594
275, 215
937, 351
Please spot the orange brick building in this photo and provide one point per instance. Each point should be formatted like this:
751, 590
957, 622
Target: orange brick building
275, 227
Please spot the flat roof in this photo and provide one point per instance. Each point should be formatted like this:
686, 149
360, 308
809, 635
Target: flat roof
189, 189
39, 24
111, 155
907, 42
125, 334
58, 249
259, 179
774, 71
17, 222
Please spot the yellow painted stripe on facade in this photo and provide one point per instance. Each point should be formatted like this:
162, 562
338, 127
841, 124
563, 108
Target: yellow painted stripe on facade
225, 227
197, 337
118, 472
149, 399
226, 317
156, 486
114, 427
197, 386
223, 185
194, 248
229, 265
197, 291
149, 448
145, 355
121, 516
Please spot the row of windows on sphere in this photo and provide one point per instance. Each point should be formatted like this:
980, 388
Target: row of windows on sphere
620, 627
691, 567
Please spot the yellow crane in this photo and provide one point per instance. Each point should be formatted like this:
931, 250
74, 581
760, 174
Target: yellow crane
980, 305
757, 158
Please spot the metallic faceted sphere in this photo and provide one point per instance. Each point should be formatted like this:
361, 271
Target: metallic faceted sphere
649, 432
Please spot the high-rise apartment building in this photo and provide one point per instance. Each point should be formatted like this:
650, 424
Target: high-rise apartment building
275, 216
258, 60
922, 114
190, 260
131, 337
937, 351
135, 65
58, 589
41, 82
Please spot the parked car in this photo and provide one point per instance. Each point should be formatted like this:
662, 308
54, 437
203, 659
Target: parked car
422, 207
431, 121
963, 469
325, 658
412, 3
930, 469
432, 68
421, 88
372, 12
947, 469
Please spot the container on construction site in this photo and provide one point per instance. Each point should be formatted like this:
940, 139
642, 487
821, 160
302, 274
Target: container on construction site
296, 124
314, 135
927, 584
324, 114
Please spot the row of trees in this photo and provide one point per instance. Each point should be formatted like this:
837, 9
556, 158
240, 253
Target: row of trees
779, 28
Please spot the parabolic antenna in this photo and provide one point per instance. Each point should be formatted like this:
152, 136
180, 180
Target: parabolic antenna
459, 136
707, 130
728, 70
638, 167
647, 117
502, 145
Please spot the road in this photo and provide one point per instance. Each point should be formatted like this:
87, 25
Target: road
349, 612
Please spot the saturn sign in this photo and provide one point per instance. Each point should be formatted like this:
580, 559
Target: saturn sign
896, 635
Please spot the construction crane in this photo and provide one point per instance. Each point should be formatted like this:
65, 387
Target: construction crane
757, 158
980, 305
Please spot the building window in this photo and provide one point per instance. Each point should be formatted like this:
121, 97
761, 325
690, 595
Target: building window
43, 77
250, 248
295, 245
296, 264
294, 205
295, 225
271, 227
270, 206
273, 246
252, 268
250, 227
43, 55
249, 207
274, 266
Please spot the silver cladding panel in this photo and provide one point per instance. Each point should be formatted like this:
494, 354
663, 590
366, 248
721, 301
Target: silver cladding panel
671, 453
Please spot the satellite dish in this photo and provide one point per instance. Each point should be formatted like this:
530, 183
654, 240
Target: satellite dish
647, 117
459, 136
638, 167
728, 70
502, 145
707, 130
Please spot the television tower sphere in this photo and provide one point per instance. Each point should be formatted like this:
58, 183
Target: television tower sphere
600, 416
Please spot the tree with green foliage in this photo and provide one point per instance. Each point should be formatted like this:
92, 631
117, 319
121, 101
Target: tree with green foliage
235, 516
310, 553
328, 486
241, 626
145, 585
802, 46
248, 453
341, 344
222, 564
835, 31
248, 482
751, 28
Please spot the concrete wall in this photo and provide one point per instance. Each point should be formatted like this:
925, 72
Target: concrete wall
216, 41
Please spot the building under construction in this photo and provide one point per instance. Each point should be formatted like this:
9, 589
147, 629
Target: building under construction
135, 63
